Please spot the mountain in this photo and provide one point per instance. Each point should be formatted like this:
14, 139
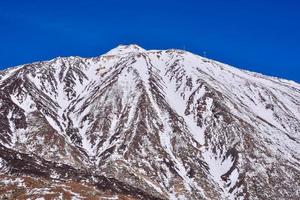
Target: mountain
138, 124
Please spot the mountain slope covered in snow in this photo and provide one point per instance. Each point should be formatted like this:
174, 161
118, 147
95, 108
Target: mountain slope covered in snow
158, 124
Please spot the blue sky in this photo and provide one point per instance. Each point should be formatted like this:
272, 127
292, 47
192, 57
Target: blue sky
262, 36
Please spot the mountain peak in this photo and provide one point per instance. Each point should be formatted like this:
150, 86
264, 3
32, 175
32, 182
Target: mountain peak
125, 49
165, 125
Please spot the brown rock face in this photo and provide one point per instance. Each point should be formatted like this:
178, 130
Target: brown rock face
137, 124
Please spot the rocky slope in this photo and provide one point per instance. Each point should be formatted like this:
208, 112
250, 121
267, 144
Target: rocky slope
159, 124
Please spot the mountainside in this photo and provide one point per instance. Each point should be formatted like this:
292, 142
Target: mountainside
137, 124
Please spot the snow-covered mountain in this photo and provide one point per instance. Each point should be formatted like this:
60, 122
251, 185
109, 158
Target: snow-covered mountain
158, 124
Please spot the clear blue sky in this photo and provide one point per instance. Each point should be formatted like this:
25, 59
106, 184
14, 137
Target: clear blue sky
258, 35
